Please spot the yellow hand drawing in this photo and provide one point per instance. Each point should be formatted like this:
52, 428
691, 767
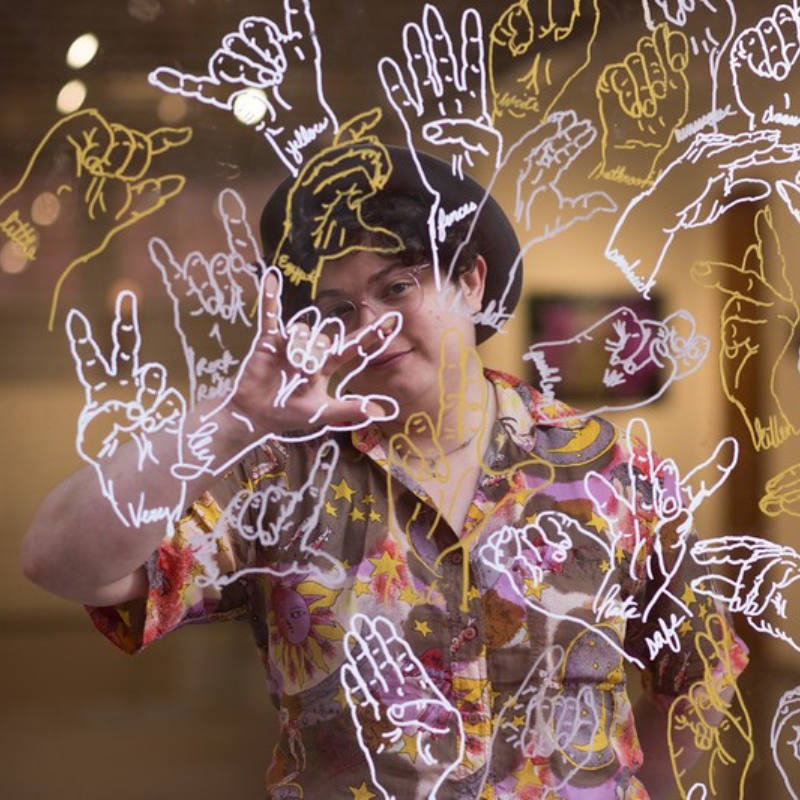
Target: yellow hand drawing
106, 169
642, 99
760, 306
354, 168
713, 719
782, 493
536, 48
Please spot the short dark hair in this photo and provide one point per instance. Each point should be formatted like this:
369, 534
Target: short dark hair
403, 214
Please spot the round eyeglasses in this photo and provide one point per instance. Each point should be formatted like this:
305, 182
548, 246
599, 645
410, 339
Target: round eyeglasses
398, 289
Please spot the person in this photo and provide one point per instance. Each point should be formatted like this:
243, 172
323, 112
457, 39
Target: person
446, 576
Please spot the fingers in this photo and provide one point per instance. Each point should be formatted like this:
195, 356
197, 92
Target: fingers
201, 87
271, 330
709, 475
126, 339
299, 22
473, 58
729, 279
91, 367
368, 344
241, 239
163, 139
405, 102
439, 50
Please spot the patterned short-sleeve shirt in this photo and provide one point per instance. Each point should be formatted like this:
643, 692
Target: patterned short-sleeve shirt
411, 660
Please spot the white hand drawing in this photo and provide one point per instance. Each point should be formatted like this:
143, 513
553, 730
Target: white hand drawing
785, 740
212, 298
271, 67
715, 173
526, 556
126, 400
281, 520
392, 697
653, 499
764, 58
761, 571
441, 96
286, 380
547, 152
632, 345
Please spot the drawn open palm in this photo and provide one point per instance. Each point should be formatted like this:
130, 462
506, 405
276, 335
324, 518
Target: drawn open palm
391, 698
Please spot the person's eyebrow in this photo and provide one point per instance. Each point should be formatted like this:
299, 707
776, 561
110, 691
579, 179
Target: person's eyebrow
374, 278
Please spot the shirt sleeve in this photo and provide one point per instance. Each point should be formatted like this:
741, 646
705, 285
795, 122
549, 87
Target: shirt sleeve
192, 577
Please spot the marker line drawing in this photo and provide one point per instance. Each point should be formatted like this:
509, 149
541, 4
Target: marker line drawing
106, 170
726, 743
642, 100
764, 57
759, 303
391, 696
544, 46
126, 400
260, 72
751, 578
784, 740
632, 344
212, 297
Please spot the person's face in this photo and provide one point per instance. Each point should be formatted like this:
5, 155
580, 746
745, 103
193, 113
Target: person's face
409, 369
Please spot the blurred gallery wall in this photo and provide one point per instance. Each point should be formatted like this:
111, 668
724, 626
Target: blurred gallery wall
190, 717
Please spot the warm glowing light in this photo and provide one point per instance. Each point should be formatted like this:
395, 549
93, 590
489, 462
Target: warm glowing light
250, 106
122, 285
12, 259
71, 96
45, 208
82, 50
171, 109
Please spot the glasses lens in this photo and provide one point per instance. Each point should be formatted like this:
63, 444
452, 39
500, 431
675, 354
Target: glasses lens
344, 310
401, 292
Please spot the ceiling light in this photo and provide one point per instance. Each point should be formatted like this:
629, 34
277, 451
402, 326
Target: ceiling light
250, 106
82, 51
71, 96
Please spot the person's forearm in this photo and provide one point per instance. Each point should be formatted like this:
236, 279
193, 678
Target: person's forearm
80, 548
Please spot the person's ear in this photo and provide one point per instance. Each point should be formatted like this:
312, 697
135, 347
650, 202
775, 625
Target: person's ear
473, 284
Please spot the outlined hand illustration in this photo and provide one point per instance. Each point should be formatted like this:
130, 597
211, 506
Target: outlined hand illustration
715, 173
285, 389
341, 177
652, 511
782, 493
712, 718
785, 740
107, 171
526, 558
548, 720
279, 520
761, 571
618, 350
126, 400
536, 164
440, 97
392, 698
764, 60
457, 384
709, 27
211, 298
276, 67
536, 49
642, 100
760, 303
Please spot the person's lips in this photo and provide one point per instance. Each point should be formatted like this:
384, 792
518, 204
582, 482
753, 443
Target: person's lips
388, 359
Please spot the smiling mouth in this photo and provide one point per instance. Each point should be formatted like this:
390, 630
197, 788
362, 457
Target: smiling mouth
388, 358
